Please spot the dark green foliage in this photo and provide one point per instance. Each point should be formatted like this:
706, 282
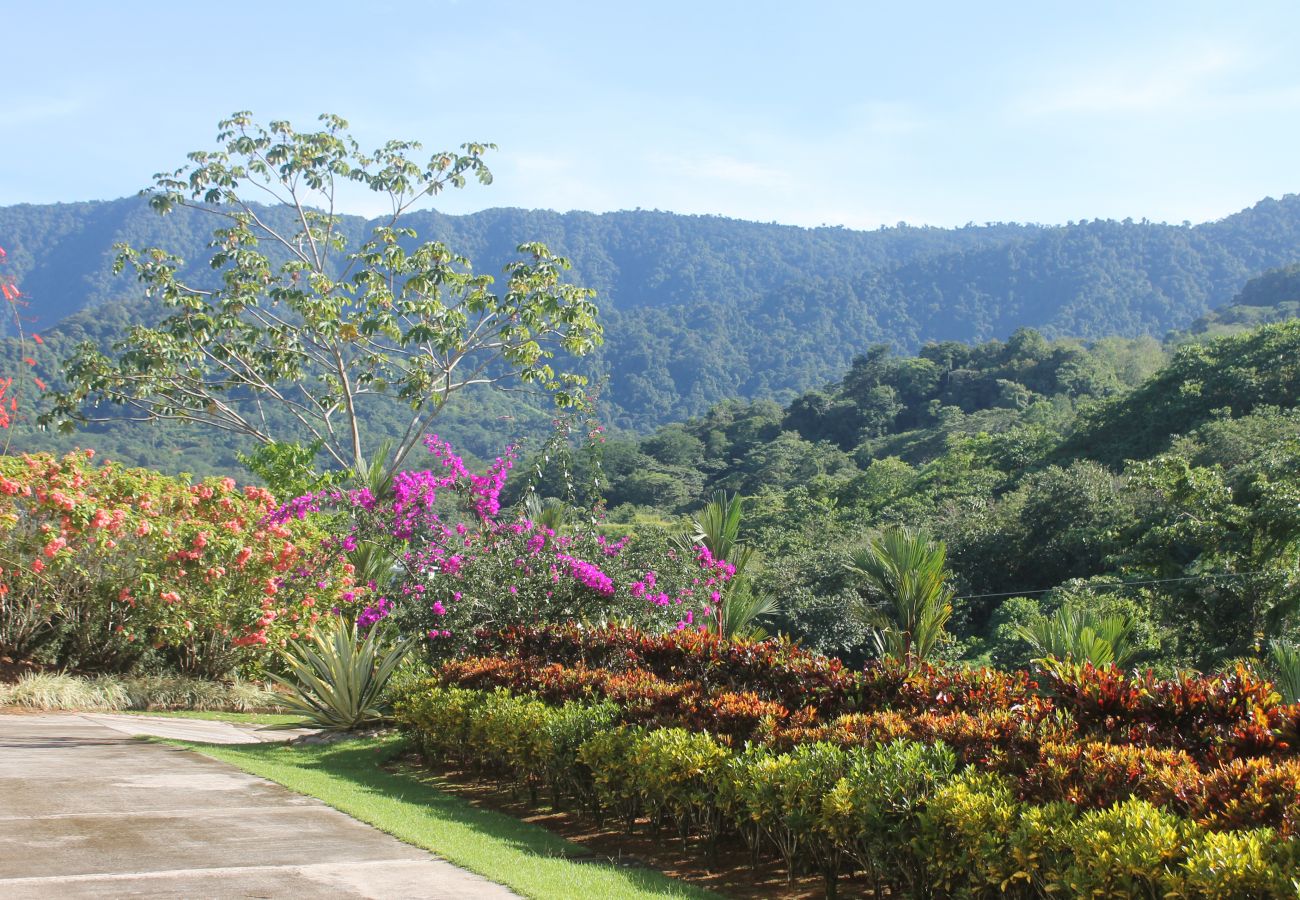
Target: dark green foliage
698, 309
1235, 374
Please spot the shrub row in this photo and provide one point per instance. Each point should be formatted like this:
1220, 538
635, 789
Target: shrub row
1038, 746
1218, 717
774, 670
1215, 718
900, 811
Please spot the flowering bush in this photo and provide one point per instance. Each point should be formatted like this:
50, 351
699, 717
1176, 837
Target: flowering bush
460, 564
100, 565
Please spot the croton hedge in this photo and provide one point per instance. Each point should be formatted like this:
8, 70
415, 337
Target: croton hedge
905, 812
102, 566
1207, 761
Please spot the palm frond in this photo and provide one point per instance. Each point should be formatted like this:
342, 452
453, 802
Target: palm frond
1286, 660
909, 601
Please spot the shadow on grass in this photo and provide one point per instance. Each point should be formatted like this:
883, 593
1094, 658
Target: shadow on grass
349, 776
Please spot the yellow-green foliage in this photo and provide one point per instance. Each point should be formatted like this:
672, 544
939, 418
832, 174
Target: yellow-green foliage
783, 794
508, 733
1237, 865
871, 812
1040, 847
1125, 851
679, 770
439, 718
965, 832
566, 730
611, 757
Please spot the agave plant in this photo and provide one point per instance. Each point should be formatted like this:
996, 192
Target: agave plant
1078, 635
1286, 661
908, 600
337, 679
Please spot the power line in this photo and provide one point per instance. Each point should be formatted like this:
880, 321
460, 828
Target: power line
1110, 584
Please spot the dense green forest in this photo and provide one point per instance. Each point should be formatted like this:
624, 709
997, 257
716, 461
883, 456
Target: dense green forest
698, 309
1118, 475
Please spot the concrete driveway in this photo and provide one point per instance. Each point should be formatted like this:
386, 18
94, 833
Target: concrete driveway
87, 811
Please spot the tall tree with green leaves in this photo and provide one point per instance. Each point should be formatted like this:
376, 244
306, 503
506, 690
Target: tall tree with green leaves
906, 597
303, 324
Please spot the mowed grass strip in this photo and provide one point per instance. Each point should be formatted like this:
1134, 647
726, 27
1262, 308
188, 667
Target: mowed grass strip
526, 858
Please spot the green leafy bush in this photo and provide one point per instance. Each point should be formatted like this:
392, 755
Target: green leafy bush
872, 811
679, 775
1125, 851
509, 735
439, 718
611, 758
784, 795
965, 833
1237, 865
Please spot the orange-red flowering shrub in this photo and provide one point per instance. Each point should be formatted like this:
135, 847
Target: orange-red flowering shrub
100, 565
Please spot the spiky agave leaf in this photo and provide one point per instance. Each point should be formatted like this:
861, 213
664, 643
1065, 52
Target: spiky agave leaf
336, 680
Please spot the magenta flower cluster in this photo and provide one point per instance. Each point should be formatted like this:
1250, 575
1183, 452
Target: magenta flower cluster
455, 576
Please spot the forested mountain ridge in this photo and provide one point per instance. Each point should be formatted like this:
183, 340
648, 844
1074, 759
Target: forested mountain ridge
701, 308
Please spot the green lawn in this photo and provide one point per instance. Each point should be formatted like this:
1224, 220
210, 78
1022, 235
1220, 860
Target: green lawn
527, 858
253, 718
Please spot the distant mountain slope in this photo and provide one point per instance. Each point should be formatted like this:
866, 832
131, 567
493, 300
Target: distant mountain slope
701, 308
1271, 297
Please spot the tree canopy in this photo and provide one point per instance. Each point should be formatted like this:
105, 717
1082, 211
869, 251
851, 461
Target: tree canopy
308, 321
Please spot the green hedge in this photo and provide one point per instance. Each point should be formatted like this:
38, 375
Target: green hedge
901, 812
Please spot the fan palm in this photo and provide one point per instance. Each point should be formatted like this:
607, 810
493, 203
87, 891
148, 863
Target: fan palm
549, 513
372, 561
1286, 660
908, 600
1078, 635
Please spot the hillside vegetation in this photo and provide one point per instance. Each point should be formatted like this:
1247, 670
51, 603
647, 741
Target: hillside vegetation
698, 308
1116, 476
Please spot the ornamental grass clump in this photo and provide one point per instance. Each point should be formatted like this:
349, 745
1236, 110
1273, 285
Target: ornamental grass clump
110, 693
58, 691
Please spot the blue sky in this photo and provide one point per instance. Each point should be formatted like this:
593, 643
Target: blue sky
854, 114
